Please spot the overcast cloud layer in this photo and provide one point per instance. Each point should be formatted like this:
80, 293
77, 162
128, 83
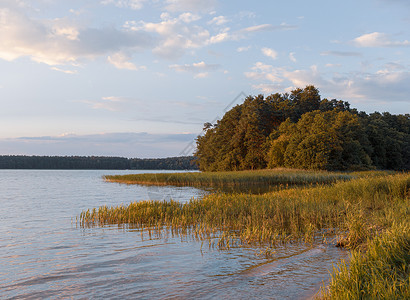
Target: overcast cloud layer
97, 77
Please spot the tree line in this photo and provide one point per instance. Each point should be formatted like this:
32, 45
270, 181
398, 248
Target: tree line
301, 130
96, 162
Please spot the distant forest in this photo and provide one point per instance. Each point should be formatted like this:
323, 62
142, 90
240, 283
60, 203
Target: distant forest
301, 130
96, 163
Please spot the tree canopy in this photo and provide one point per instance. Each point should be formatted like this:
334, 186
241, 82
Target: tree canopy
301, 130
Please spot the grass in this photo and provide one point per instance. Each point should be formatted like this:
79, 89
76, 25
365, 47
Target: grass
382, 272
370, 214
356, 208
233, 179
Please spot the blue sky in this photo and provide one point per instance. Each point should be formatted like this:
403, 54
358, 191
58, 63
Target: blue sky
138, 78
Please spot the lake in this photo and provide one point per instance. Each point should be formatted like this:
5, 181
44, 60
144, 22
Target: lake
45, 254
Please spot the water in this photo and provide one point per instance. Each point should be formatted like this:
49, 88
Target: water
43, 254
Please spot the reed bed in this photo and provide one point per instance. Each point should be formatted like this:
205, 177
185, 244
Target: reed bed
356, 209
382, 272
369, 214
233, 179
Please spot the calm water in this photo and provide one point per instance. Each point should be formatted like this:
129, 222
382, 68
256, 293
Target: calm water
44, 254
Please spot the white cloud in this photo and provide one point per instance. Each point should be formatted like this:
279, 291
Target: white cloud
333, 65
200, 69
340, 53
270, 53
292, 57
220, 20
201, 75
220, 37
378, 39
176, 34
133, 4
388, 84
190, 5
268, 27
122, 61
71, 72
179, 34
188, 17
263, 72
65, 42
268, 88
256, 28
113, 103
243, 49
69, 32
58, 42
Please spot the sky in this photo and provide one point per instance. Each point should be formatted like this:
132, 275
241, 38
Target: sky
139, 78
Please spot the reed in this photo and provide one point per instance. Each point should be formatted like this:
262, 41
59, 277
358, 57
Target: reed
235, 178
370, 214
382, 272
356, 208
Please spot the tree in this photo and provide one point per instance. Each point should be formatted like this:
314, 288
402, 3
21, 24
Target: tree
301, 130
320, 140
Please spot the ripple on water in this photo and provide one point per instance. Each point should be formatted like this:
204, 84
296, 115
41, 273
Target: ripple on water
42, 254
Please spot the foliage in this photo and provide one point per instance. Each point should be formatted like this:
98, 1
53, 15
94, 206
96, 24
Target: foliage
301, 130
389, 136
332, 140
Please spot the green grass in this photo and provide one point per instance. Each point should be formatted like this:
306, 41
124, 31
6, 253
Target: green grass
381, 272
235, 179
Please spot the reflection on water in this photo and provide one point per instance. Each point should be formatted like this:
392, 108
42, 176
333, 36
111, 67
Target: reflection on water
43, 253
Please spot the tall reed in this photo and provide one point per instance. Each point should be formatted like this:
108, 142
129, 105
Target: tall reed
382, 272
237, 178
356, 208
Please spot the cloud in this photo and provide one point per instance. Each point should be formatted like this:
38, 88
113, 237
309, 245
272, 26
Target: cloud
262, 73
201, 75
63, 41
122, 61
176, 35
340, 53
292, 57
113, 103
126, 144
190, 5
220, 20
243, 49
71, 72
270, 53
221, 37
333, 65
200, 69
393, 66
378, 39
133, 4
59, 41
388, 84
268, 88
268, 27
